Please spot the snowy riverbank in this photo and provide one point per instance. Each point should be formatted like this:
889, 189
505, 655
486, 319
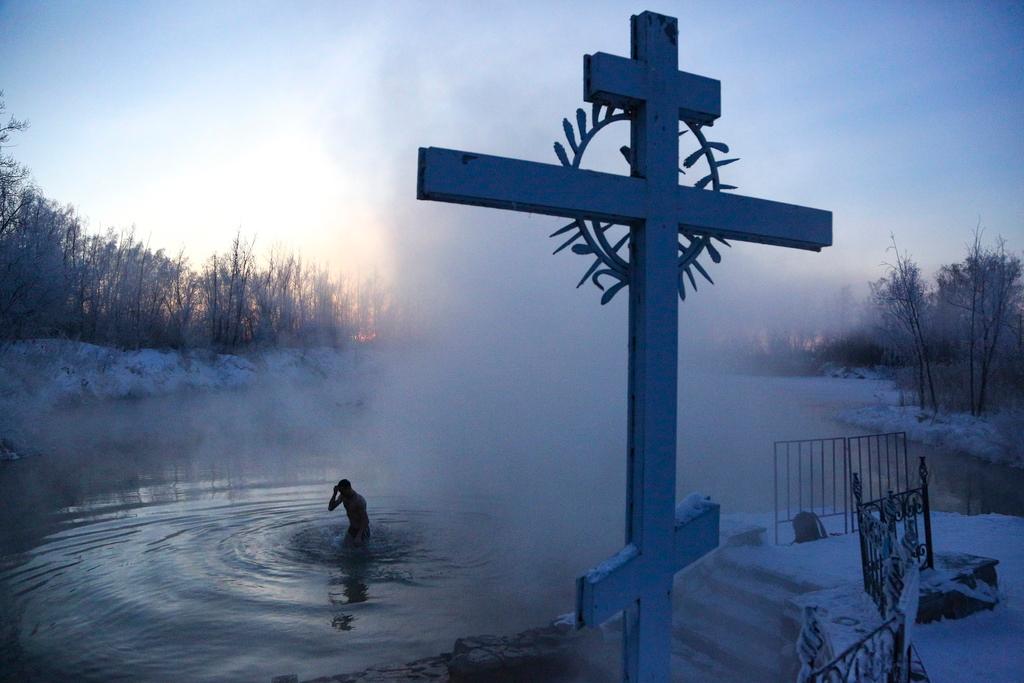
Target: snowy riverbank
852, 372
997, 438
57, 371
38, 376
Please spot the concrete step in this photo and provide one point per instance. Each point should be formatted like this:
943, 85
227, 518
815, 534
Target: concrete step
738, 561
693, 666
731, 589
768, 599
730, 619
737, 614
743, 659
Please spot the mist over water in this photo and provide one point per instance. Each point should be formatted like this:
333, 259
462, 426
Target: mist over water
170, 529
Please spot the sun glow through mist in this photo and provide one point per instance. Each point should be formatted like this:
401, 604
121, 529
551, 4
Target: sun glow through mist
283, 189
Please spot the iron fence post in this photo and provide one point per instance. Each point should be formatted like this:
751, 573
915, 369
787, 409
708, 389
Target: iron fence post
775, 470
847, 471
923, 471
856, 489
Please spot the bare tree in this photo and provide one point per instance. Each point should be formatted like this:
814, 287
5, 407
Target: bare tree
903, 296
983, 295
14, 177
181, 303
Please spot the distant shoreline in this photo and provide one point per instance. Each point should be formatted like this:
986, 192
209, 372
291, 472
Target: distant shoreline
56, 371
41, 378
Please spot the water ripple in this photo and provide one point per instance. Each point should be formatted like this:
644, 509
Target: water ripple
164, 592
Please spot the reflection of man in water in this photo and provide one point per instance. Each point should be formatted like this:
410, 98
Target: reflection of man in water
355, 508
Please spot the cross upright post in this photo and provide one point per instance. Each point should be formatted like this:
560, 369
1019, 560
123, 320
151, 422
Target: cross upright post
661, 538
653, 347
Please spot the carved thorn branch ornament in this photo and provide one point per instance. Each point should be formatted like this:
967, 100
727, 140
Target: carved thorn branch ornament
608, 243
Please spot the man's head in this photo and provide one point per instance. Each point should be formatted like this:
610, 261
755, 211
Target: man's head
345, 487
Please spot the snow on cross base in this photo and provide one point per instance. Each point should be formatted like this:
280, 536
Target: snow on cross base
638, 579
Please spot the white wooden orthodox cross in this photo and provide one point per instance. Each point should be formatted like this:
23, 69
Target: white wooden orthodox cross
638, 580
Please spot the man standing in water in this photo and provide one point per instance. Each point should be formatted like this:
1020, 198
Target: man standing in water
355, 508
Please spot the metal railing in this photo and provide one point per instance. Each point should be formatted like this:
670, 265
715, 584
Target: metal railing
886, 653
872, 658
878, 656
814, 475
881, 463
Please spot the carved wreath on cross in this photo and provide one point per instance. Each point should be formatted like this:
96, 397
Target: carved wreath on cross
597, 240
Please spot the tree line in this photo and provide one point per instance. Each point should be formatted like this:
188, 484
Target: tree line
953, 341
962, 333
58, 279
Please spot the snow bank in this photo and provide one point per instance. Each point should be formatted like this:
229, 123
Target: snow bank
52, 371
997, 440
847, 372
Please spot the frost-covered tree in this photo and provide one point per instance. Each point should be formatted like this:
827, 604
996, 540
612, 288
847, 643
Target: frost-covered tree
980, 298
59, 279
13, 176
904, 298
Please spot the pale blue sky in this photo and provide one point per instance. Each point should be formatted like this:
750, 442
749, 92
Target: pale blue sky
300, 122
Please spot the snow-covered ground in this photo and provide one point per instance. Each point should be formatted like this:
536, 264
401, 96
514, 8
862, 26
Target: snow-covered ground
39, 375
987, 646
998, 438
850, 372
58, 371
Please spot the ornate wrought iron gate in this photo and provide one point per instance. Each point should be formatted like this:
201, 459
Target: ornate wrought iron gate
890, 521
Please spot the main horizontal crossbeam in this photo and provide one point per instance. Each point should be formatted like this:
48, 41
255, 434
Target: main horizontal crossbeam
448, 175
465, 178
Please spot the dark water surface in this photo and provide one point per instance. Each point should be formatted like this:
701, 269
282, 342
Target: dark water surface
727, 430
170, 549
197, 582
